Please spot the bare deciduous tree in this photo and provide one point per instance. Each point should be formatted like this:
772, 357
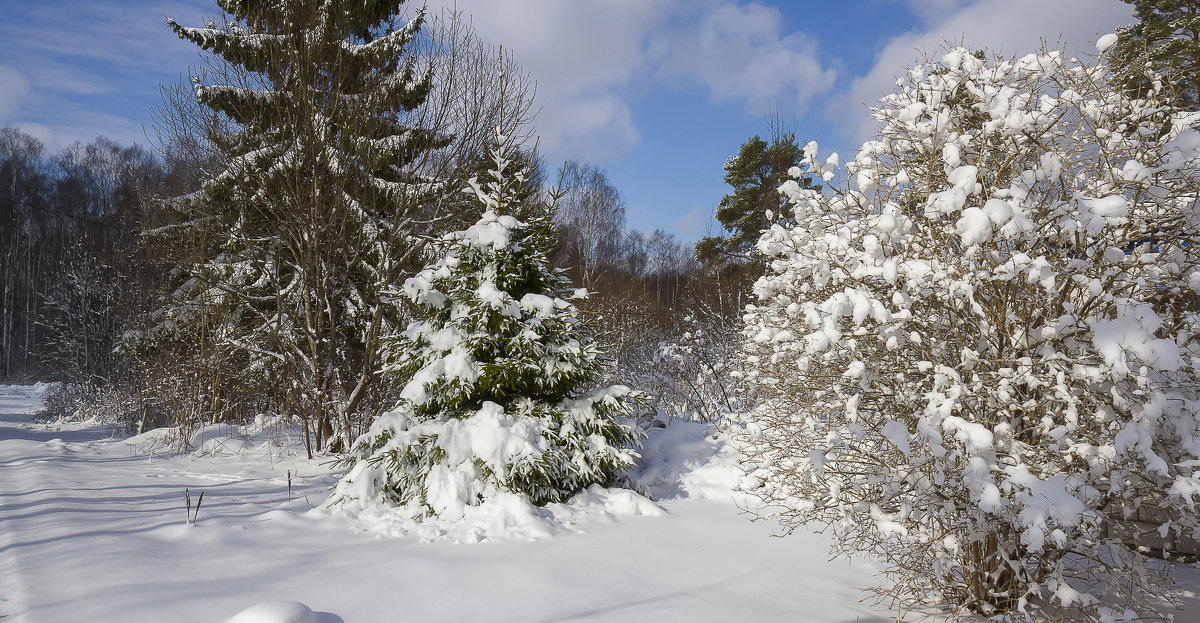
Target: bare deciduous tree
592, 215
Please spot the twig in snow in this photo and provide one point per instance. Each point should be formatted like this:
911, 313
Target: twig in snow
199, 501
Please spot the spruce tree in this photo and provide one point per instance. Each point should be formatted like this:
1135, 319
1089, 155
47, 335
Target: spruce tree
310, 213
498, 366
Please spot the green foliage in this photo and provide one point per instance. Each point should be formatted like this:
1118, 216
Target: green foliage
403, 452
755, 174
319, 91
1167, 37
496, 293
527, 201
497, 364
306, 220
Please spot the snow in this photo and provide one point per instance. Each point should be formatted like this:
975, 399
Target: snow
897, 434
1049, 502
1132, 332
1106, 42
974, 226
497, 299
999, 212
492, 231
277, 612
975, 436
541, 305
1095, 213
93, 530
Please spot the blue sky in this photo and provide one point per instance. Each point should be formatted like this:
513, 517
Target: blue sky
658, 92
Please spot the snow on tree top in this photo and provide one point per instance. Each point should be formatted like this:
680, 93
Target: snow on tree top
492, 230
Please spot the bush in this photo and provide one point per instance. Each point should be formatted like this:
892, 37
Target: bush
982, 353
89, 402
697, 371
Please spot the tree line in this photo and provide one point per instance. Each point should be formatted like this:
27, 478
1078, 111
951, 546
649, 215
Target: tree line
72, 269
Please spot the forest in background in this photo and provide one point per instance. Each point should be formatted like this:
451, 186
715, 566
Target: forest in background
76, 269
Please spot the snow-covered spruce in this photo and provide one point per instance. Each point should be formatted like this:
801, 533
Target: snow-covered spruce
496, 367
979, 360
281, 256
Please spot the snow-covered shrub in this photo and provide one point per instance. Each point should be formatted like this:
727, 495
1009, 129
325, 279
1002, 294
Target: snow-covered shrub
697, 372
685, 358
84, 401
60, 402
981, 356
186, 379
496, 366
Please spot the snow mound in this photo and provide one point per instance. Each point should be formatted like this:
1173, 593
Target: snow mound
276, 612
684, 460
597, 499
503, 517
221, 445
689, 460
506, 516
272, 433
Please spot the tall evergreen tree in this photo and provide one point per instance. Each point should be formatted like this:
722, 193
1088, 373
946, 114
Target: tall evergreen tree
309, 217
1167, 36
497, 366
755, 174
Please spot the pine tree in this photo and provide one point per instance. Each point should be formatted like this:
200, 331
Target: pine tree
309, 217
755, 173
497, 365
1167, 37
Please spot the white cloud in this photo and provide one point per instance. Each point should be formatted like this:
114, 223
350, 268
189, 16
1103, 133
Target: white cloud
584, 56
932, 9
592, 59
14, 87
84, 127
1008, 27
740, 53
89, 67
41, 133
594, 126
695, 222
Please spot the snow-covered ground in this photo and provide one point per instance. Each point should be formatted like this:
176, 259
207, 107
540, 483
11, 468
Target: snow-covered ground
92, 529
